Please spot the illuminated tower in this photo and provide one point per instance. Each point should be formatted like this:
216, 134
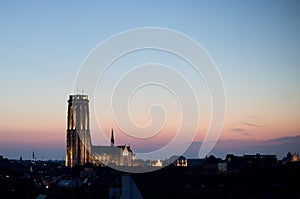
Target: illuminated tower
78, 131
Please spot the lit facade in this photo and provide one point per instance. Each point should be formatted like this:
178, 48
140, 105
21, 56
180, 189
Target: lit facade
80, 150
78, 131
121, 155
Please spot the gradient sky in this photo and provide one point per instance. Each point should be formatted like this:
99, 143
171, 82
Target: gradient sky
255, 44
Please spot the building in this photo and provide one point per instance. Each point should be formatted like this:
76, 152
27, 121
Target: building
121, 155
236, 163
80, 150
78, 131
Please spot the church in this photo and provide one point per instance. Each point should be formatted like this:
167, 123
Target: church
79, 148
118, 155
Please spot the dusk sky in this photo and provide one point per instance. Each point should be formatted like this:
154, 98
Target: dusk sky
254, 44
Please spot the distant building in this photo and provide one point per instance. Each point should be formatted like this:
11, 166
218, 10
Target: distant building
177, 161
78, 131
291, 157
211, 165
295, 157
80, 150
181, 162
156, 163
235, 163
118, 155
222, 167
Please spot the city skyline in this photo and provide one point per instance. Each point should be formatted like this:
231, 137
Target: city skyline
255, 46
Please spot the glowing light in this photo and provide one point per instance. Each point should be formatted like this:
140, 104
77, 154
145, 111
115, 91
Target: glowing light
295, 158
157, 164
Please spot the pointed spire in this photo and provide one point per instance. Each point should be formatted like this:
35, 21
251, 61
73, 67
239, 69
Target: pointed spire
112, 140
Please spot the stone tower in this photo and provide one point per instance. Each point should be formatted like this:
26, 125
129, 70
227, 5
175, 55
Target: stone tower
78, 150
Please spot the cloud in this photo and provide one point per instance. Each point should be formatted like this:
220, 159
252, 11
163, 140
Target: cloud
241, 131
280, 147
251, 124
283, 140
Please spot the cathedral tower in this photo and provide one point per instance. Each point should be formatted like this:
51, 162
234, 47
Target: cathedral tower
78, 150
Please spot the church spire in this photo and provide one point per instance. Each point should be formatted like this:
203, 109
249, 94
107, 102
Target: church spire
112, 140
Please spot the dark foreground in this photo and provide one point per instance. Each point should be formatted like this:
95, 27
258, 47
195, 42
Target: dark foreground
50, 179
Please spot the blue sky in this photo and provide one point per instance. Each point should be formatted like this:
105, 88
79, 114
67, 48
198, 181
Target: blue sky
255, 45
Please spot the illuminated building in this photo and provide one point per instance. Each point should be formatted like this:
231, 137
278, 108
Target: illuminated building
121, 155
80, 150
181, 162
157, 163
78, 131
295, 157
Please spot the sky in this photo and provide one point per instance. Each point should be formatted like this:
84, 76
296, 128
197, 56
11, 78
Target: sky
254, 44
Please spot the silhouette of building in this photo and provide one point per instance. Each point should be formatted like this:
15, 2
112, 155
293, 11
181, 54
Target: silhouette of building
291, 157
80, 150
